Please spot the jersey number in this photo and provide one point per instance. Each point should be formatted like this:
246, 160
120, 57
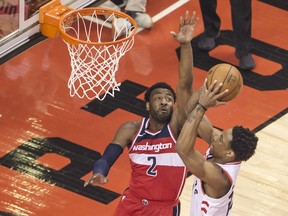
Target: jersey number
151, 171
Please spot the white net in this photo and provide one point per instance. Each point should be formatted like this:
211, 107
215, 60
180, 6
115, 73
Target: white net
94, 64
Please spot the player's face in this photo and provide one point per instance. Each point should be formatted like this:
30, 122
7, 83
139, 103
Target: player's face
161, 104
220, 145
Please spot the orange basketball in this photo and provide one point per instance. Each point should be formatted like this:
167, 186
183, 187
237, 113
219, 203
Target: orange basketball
229, 76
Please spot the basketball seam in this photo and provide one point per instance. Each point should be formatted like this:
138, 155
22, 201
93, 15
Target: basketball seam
230, 92
214, 73
225, 80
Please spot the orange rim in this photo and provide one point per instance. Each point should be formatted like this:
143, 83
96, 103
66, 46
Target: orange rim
88, 12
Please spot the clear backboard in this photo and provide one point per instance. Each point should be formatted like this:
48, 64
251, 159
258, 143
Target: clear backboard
19, 20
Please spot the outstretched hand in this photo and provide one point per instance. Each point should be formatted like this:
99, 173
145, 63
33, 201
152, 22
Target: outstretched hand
96, 179
209, 97
186, 28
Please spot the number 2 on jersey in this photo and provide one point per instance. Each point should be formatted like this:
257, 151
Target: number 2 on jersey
151, 171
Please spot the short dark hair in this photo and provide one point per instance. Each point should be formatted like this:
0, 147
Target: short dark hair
159, 85
244, 143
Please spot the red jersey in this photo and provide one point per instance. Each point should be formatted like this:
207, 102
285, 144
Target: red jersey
158, 172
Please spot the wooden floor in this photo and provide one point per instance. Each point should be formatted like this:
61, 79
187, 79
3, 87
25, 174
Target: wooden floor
49, 140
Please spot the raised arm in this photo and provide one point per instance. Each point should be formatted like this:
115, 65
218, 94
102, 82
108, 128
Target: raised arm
205, 128
184, 87
194, 160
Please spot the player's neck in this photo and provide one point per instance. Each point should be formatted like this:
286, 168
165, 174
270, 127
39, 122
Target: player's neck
155, 126
218, 160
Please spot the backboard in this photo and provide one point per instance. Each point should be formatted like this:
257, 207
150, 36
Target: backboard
19, 21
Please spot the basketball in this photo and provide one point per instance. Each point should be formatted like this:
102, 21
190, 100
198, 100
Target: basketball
229, 76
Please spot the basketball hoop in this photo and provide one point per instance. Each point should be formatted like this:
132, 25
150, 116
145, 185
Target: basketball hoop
95, 48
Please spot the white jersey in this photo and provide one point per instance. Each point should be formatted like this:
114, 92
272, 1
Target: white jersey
203, 205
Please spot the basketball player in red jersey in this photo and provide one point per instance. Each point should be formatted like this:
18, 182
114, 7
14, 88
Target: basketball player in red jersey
158, 173
216, 173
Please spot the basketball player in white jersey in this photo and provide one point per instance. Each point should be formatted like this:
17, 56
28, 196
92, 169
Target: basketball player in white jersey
216, 173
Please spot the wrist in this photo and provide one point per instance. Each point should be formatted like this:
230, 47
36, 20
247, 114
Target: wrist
101, 166
110, 155
186, 45
203, 108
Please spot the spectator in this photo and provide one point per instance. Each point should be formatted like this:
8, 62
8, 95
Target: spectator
134, 8
241, 22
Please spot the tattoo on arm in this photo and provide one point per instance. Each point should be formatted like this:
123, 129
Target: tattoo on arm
193, 102
192, 115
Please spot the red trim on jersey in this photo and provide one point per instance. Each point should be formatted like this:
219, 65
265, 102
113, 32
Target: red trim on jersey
139, 130
172, 134
233, 163
148, 131
204, 210
205, 203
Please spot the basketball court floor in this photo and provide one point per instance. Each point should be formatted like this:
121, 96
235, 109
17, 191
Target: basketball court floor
49, 140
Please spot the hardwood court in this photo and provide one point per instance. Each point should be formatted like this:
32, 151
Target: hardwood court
49, 140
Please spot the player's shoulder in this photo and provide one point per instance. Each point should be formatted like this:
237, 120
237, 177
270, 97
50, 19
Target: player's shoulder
132, 125
126, 133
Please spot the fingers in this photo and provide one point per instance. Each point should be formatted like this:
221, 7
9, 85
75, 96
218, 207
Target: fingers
211, 87
217, 88
103, 180
181, 22
96, 179
215, 91
91, 179
173, 33
220, 103
195, 21
186, 21
87, 181
222, 94
211, 96
192, 19
205, 84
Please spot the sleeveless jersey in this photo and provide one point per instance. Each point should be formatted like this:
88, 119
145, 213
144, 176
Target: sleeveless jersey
203, 205
158, 172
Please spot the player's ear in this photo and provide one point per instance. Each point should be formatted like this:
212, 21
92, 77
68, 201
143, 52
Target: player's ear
147, 106
230, 154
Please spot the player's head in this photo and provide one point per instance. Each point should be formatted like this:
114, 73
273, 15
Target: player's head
233, 144
159, 85
160, 99
243, 144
